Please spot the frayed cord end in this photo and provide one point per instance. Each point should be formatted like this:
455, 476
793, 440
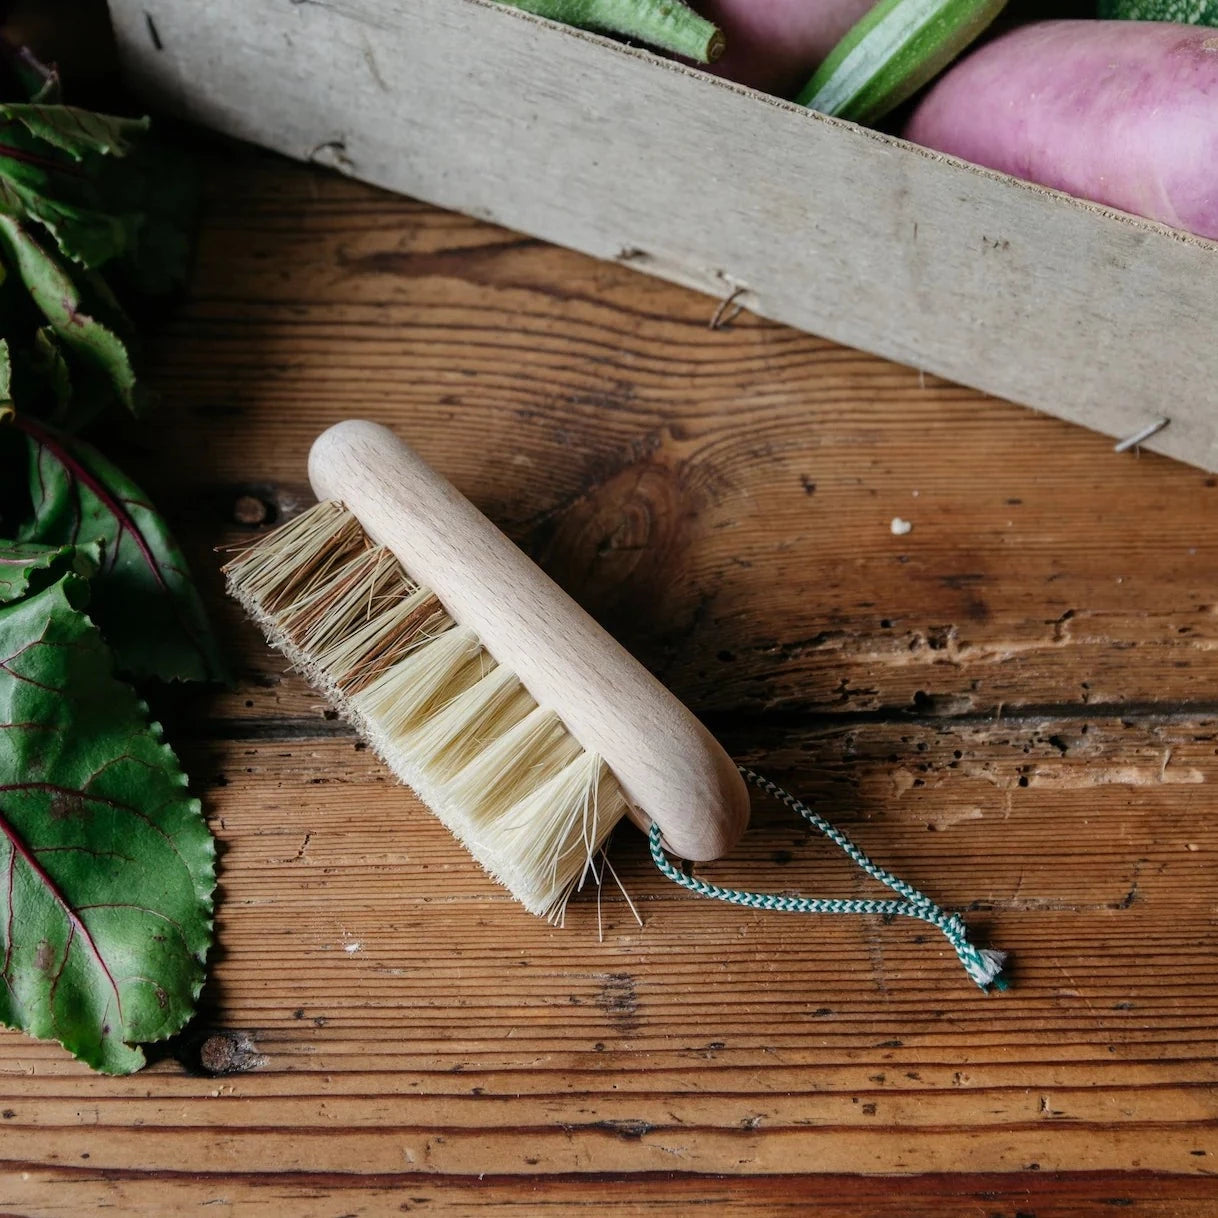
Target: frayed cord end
984, 965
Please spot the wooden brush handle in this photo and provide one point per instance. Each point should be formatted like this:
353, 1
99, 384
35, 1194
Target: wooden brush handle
670, 767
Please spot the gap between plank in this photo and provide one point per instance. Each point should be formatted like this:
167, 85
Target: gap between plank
734, 723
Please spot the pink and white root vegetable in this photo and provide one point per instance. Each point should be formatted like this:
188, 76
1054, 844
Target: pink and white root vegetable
1124, 113
775, 45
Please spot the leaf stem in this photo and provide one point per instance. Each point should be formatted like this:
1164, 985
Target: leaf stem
75, 923
669, 24
115, 499
76, 469
41, 162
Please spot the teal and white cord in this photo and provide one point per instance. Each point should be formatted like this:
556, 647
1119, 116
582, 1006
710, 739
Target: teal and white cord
983, 965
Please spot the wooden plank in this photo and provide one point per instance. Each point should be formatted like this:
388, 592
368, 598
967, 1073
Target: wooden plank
721, 500
1075, 310
315, 1195
395, 1032
403, 1015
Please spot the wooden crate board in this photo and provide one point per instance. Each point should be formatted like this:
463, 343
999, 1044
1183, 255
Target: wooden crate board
1084, 313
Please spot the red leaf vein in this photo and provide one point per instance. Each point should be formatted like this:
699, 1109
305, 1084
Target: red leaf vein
75, 922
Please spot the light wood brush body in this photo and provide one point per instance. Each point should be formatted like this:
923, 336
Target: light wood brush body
523, 726
520, 722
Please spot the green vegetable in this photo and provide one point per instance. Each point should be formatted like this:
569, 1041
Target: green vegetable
83, 322
26, 567
106, 865
86, 204
896, 48
668, 24
1184, 12
49, 156
143, 598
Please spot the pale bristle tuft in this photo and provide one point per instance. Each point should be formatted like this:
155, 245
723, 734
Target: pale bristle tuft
285, 567
553, 833
513, 766
451, 738
343, 605
385, 637
503, 774
422, 682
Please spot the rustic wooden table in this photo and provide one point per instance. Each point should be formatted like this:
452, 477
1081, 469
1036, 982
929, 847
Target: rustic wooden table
1013, 706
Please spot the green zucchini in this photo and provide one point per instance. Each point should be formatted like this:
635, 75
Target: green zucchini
668, 24
1186, 12
891, 52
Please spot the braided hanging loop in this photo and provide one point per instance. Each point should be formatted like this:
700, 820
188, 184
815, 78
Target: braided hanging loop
983, 965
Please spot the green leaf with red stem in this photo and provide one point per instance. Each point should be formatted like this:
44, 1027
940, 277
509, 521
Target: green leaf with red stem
26, 567
88, 235
79, 133
143, 599
61, 182
106, 864
88, 324
80, 193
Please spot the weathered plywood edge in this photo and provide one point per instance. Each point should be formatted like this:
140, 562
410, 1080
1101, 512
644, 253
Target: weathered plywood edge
1078, 311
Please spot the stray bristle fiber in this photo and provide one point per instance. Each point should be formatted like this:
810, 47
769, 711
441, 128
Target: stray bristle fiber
503, 774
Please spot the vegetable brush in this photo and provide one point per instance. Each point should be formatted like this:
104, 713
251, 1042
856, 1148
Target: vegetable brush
524, 727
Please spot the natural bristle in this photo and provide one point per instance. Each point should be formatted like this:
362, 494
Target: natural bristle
453, 736
503, 774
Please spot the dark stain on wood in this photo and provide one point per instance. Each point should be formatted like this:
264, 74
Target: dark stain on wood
618, 998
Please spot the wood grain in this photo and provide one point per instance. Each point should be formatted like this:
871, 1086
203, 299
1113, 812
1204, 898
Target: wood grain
1012, 706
